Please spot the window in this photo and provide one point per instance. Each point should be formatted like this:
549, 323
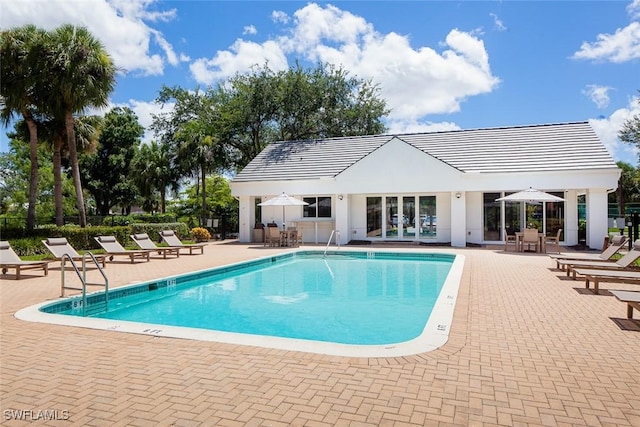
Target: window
318, 207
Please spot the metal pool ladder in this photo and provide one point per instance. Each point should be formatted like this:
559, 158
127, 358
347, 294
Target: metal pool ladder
337, 234
83, 279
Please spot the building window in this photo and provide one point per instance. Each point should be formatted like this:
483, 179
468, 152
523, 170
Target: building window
318, 207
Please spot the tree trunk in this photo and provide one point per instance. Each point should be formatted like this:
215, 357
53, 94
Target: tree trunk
33, 176
163, 195
204, 196
75, 168
57, 179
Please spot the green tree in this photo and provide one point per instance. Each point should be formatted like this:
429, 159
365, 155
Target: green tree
81, 74
630, 132
106, 172
21, 78
154, 174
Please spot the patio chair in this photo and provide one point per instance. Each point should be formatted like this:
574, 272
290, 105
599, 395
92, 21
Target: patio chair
113, 248
170, 238
617, 242
611, 276
144, 242
622, 263
553, 240
510, 240
272, 236
530, 237
9, 259
631, 298
59, 246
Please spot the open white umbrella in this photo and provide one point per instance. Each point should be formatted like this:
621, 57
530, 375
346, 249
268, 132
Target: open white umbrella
530, 195
283, 200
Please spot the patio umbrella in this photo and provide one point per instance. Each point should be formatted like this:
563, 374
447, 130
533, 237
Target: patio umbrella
530, 195
283, 200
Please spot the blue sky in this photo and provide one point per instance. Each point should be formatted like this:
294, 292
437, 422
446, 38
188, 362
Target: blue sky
439, 64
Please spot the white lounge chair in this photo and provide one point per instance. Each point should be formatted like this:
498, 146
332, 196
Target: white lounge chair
622, 263
59, 246
113, 248
617, 243
9, 259
170, 238
631, 298
144, 242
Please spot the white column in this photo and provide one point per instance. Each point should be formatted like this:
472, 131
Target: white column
342, 218
597, 215
245, 219
571, 218
458, 219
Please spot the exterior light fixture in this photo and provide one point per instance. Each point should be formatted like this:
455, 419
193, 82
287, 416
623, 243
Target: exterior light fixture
458, 195
340, 196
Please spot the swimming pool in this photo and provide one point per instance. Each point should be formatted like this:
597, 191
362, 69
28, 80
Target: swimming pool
299, 301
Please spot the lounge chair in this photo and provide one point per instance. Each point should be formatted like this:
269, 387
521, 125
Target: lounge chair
9, 259
631, 298
622, 263
59, 246
170, 238
113, 248
611, 276
144, 242
617, 243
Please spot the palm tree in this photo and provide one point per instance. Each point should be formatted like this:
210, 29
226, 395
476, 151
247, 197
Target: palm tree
152, 170
20, 75
81, 75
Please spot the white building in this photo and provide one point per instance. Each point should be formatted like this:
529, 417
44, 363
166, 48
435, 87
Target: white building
437, 187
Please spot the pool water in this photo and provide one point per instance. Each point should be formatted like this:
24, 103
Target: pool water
349, 303
337, 299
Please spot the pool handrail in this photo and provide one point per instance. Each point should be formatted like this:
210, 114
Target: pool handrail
337, 234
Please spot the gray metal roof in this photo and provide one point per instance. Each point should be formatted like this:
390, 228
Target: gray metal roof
536, 148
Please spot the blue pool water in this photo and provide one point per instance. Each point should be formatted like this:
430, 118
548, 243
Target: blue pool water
359, 298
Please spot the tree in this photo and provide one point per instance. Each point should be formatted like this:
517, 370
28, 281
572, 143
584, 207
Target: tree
153, 173
630, 132
106, 173
21, 77
81, 74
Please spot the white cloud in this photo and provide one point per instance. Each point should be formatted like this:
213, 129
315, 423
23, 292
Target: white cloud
622, 46
634, 9
121, 25
415, 81
498, 25
412, 126
598, 94
280, 17
609, 127
241, 57
250, 29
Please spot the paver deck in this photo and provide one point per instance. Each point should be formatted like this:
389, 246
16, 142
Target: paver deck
528, 347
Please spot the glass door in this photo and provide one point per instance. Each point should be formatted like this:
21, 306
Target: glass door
409, 217
427, 221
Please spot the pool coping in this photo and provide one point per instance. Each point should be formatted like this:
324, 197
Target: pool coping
434, 335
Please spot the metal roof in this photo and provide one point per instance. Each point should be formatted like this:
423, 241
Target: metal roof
535, 148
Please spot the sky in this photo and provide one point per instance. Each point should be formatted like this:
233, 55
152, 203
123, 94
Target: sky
439, 65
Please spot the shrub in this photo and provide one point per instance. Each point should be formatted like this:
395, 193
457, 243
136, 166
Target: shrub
200, 234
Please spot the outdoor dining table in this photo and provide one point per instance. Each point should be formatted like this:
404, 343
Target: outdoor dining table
520, 246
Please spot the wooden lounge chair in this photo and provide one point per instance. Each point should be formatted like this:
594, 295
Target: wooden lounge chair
611, 276
113, 248
59, 246
622, 263
170, 238
9, 259
617, 243
631, 298
144, 242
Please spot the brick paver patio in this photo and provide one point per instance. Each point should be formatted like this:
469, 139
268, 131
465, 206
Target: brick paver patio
527, 347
